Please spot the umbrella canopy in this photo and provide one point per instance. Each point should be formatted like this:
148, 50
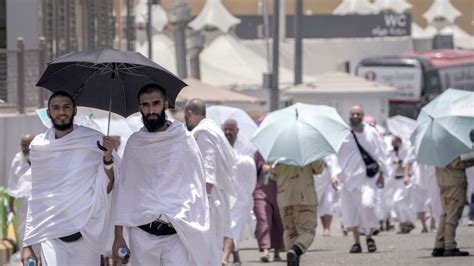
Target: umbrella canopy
401, 126
247, 126
300, 134
108, 79
442, 128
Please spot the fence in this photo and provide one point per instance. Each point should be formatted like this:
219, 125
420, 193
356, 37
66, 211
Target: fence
20, 69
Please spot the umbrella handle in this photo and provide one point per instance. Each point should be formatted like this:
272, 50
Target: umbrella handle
100, 146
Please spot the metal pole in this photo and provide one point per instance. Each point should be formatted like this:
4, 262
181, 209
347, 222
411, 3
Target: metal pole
179, 15
274, 91
149, 30
266, 33
41, 64
298, 28
195, 43
20, 68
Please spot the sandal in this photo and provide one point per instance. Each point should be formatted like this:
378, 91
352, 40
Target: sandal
371, 247
356, 248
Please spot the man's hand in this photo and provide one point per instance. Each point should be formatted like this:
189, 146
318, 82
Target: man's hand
27, 253
381, 181
119, 242
335, 182
109, 143
266, 167
406, 180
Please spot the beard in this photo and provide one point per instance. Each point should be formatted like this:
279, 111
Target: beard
153, 125
64, 127
355, 122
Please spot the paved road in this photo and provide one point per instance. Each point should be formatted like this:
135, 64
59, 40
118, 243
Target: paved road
393, 249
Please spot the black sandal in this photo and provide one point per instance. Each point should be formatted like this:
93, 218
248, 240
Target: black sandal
356, 248
371, 247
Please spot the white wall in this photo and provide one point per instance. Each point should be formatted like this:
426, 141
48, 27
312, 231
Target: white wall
12, 128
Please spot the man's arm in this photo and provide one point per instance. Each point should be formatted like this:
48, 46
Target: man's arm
11, 201
109, 144
206, 146
119, 242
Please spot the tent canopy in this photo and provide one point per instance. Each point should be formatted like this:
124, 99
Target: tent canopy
212, 94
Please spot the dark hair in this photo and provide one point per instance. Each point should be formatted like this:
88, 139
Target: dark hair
149, 88
61, 94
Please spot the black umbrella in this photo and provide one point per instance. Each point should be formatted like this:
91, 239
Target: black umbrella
108, 79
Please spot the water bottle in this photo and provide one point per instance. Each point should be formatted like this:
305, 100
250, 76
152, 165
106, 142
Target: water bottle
31, 261
123, 254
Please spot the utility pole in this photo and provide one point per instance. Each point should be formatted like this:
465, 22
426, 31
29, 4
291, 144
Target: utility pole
274, 90
298, 28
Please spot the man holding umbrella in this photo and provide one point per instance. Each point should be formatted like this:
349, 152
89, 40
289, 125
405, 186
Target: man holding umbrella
69, 209
297, 201
453, 186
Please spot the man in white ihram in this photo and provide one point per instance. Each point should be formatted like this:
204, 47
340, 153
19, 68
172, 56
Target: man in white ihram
161, 196
219, 160
19, 182
244, 180
358, 189
69, 207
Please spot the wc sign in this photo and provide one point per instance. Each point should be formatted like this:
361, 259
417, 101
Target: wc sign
392, 25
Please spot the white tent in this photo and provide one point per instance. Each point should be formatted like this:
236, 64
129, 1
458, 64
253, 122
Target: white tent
361, 7
163, 49
226, 61
441, 9
159, 16
214, 15
397, 6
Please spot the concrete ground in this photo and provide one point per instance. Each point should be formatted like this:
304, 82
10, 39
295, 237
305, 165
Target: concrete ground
393, 249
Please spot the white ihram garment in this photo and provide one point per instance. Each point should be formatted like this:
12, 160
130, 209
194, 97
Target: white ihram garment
219, 160
402, 197
324, 190
358, 190
162, 174
69, 192
244, 180
19, 187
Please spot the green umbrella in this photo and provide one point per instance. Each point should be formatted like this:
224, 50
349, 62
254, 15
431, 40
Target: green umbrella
442, 128
300, 134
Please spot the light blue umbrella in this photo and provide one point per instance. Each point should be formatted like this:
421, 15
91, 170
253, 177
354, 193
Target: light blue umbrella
300, 134
442, 128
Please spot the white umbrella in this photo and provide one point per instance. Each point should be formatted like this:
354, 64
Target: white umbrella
401, 126
247, 126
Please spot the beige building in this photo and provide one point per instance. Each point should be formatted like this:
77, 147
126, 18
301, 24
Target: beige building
247, 7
